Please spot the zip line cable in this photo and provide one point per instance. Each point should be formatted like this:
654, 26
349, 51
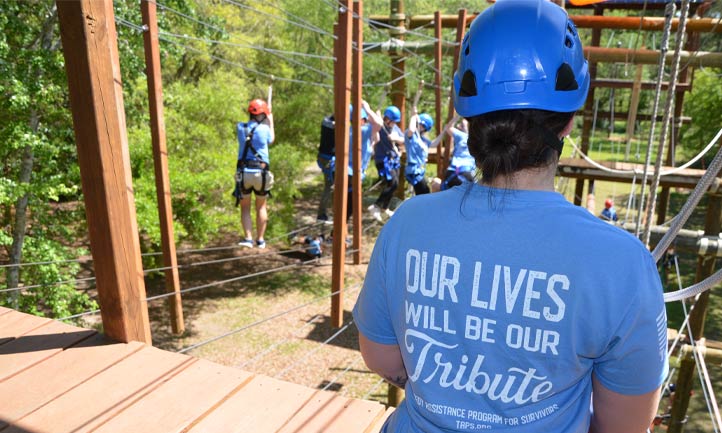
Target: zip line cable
288, 59
256, 323
246, 68
312, 28
311, 352
272, 347
342, 373
373, 388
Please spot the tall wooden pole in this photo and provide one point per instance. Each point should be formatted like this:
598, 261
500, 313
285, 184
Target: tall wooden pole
160, 161
588, 112
440, 164
460, 29
397, 19
342, 97
88, 34
357, 87
705, 268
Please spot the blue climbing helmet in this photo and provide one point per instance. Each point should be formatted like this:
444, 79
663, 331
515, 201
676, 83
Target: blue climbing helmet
521, 54
364, 114
426, 120
393, 113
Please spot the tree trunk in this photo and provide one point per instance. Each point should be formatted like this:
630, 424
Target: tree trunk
21, 207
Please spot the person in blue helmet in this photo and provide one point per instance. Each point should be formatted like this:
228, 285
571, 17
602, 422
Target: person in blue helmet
387, 157
417, 151
253, 174
371, 124
522, 312
462, 167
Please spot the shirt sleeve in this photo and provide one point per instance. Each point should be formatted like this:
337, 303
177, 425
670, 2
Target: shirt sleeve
371, 312
636, 359
241, 136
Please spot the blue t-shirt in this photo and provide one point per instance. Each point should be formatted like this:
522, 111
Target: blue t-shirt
260, 140
503, 312
417, 152
384, 147
366, 149
461, 157
609, 214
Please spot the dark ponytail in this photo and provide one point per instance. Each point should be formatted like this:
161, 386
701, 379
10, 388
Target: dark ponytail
506, 141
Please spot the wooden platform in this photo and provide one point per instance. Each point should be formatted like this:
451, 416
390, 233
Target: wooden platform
59, 378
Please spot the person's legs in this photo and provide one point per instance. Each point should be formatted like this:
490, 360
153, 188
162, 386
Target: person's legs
261, 217
389, 189
325, 196
246, 220
421, 187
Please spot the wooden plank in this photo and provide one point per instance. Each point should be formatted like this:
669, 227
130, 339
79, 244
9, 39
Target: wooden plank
186, 397
48, 380
87, 31
15, 324
379, 422
261, 406
38, 345
328, 412
4, 310
98, 399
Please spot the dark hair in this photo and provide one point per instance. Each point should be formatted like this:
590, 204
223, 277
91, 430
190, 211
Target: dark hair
506, 141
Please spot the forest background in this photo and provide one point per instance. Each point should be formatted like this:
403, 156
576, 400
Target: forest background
216, 56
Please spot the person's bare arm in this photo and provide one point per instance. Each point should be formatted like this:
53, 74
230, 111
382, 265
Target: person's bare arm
385, 360
619, 413
270, 126
374, 117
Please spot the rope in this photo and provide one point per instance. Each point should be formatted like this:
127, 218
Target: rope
311, 352
342, 374
256, 323
373, 388
49, 262
272, 347
246, 68
57, 283
665, 122
75, 316
664, 46
311, 27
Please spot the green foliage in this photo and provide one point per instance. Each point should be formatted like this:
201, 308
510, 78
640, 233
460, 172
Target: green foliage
704, 105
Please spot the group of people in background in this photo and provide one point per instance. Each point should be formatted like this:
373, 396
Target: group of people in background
383, 138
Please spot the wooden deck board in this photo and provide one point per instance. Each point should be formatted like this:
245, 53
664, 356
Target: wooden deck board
193, 392
59, 374
376, 426
38, 345
66, 379
16, 324
263, 405
105, 395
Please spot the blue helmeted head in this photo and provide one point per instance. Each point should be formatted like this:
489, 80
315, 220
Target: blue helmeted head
393, 113
426, 121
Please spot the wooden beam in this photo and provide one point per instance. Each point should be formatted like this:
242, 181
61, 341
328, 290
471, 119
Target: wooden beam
342, 97
705, 268
622, 115
440, 164
160, 162
460, 30
398, 81
633, 107
702, 25
357, 84
88, 34
616, 83
576, 168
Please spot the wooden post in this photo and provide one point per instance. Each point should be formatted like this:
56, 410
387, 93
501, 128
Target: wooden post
342, 97
460, 29
357, 87
440, 164
160, 161
588, 112
633, 108
398, 81
705, 268
87, 31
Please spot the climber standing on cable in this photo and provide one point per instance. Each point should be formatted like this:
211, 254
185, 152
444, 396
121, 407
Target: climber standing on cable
388, 160
253, 174
417, 151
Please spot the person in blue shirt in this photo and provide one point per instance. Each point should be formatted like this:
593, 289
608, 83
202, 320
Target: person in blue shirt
522, 311
462, 167
253, 174
371, 124
387, 157
609, 213
417, 151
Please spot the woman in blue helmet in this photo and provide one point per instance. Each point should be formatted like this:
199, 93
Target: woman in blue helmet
388, 160
463, 167
417, 151
521, 306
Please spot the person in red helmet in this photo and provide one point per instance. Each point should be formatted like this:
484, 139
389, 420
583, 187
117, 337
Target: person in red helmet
253, 174
609, 213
